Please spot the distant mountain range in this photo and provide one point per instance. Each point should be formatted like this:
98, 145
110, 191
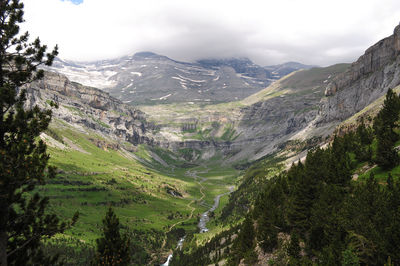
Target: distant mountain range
149, 78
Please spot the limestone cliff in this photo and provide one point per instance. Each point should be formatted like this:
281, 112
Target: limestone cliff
91, 108
365, 81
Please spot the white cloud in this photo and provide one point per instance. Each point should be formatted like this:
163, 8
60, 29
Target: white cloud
311, 31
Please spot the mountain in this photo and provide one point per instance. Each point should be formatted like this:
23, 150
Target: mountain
148, 78
91, 108
254, 127
281, 70
366, 80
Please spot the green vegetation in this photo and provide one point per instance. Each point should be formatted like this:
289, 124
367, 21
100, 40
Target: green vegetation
112, 248
152, 190
312, 77
318, 211
384, 124
24, 214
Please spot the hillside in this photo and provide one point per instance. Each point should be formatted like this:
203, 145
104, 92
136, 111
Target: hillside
337, 205
250, 128
148, 78
107, 153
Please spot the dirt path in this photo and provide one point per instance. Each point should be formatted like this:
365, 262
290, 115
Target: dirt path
363, 170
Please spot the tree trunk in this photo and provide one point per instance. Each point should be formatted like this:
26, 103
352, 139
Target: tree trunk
3, 248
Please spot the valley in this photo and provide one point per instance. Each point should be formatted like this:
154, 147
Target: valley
173, 168
168, 170
218, 155
151, 196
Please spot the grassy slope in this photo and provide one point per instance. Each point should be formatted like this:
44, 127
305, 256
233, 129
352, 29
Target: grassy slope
364, 170
92, 178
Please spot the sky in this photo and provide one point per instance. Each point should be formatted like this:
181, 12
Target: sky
318, 32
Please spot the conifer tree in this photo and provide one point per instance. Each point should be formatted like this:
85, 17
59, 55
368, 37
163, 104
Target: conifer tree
384, 124
294, 246
112, 248
24, 221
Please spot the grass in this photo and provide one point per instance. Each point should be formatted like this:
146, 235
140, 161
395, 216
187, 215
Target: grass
92, 178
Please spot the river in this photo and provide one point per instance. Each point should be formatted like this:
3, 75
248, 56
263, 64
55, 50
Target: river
204, 219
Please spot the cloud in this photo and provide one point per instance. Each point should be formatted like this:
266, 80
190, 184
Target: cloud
268, 32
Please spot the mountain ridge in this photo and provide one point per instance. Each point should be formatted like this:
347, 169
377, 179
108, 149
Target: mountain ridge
149, 78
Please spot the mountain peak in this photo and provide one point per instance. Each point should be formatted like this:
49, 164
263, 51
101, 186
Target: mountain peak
148, 54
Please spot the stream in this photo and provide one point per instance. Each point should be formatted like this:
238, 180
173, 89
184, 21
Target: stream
204, 219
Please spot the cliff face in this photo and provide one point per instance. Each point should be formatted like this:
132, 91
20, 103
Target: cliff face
366, 80
91, 108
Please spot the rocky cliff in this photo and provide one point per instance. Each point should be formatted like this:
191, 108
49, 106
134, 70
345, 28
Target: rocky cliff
365, 81
88, 107
251, 128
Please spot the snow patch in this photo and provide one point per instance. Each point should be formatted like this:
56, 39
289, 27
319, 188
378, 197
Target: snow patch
181, 79
87, 77
108, 66
165, 97
136, 73
124, 88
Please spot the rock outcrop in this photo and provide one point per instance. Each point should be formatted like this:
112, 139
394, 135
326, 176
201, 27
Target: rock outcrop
91, 108
365, 81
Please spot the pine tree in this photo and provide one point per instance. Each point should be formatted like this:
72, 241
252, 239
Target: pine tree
112, 248
384, 124
294, 246
349, 258
364, 133
386, 155
24, 221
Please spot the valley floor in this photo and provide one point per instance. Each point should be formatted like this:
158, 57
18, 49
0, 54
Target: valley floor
155, 195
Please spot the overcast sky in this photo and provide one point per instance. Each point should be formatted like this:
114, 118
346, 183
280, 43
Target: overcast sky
317, 32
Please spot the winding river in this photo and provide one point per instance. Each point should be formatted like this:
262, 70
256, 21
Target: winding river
204, 218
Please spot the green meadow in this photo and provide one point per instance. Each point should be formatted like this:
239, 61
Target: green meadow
150, 189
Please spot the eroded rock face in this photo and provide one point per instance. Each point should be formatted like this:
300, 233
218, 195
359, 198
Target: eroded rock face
91, 108
366, 80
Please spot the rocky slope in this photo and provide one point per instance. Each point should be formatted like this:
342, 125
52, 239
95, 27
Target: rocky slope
253, 127
86, 107
148, 78
306, 104
365, 81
